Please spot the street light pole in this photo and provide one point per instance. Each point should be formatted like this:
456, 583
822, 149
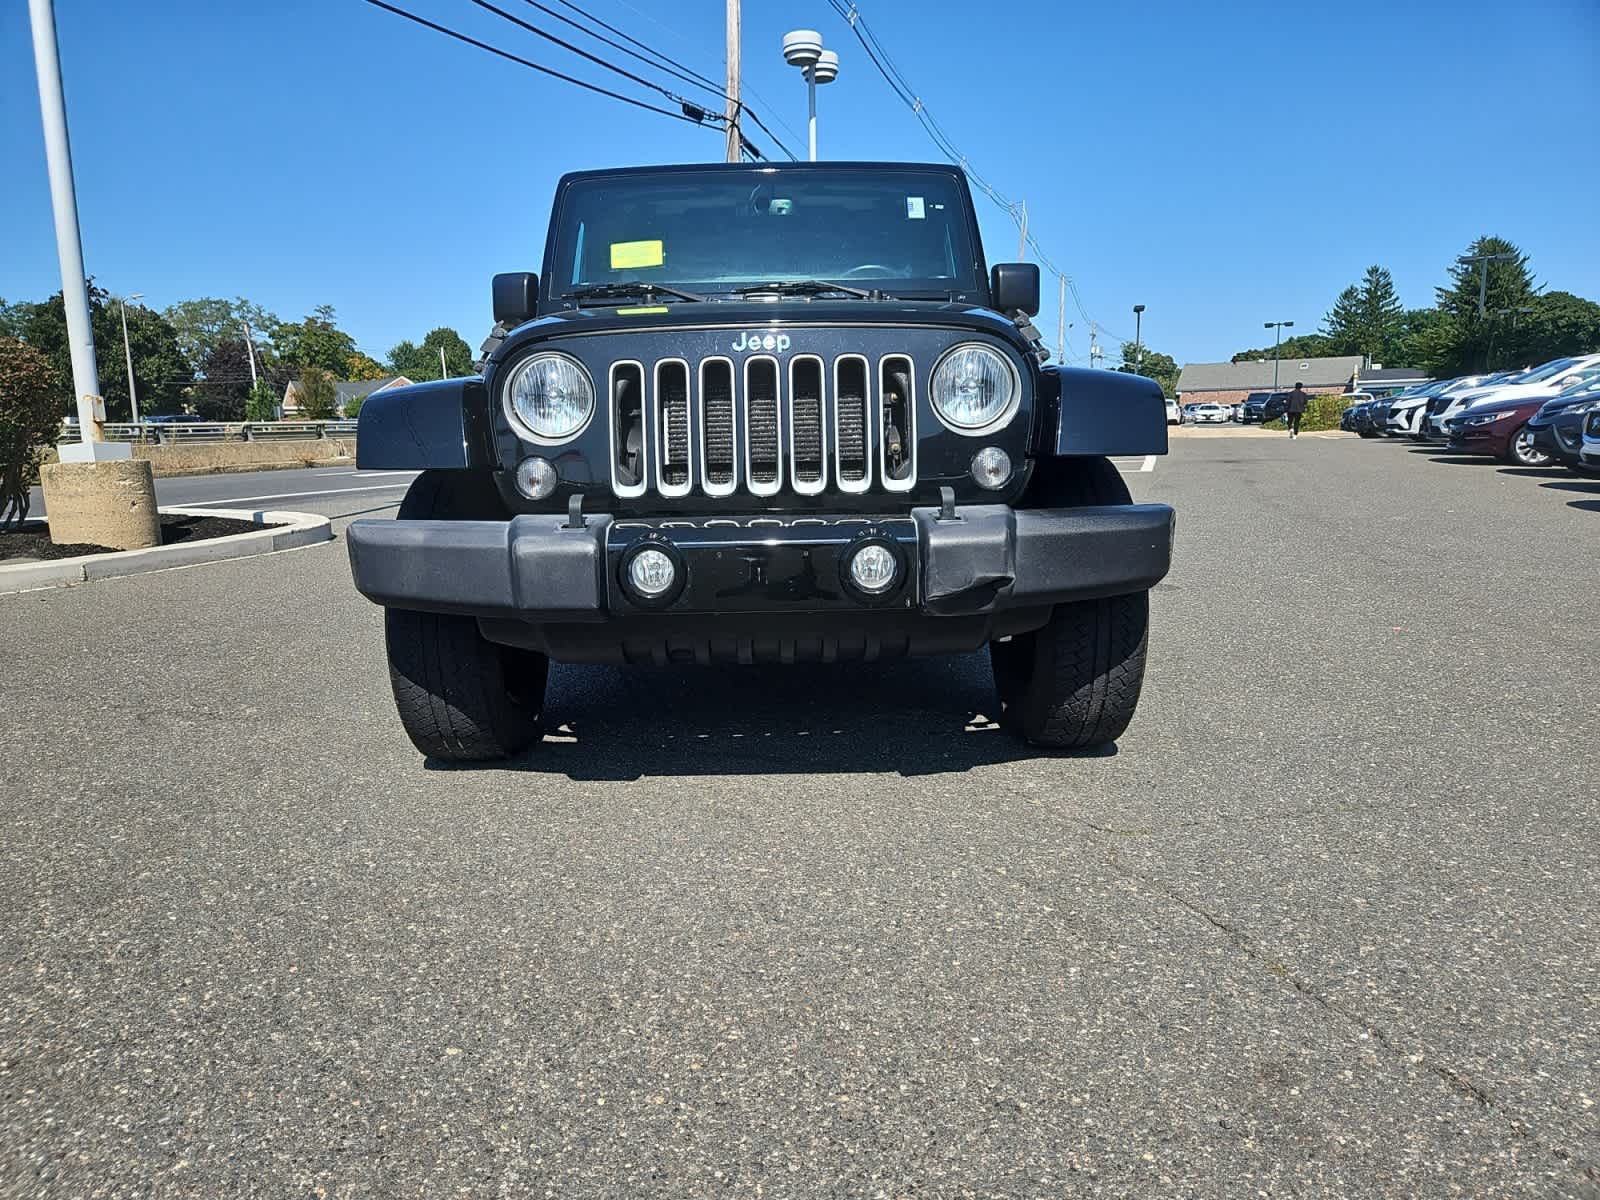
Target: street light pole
69, 246
1061, 320
1138, 338
444, 371
735, 153
127, 350
1277, 343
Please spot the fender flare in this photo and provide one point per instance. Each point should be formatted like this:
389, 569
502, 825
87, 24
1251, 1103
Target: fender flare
1088, 412
426, 426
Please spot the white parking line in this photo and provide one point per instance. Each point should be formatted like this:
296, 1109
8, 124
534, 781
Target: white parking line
232, 500
1146, 465
375, 474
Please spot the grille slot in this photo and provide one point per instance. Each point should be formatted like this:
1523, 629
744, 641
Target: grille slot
807, 438
897, 403
763, 448
627, 429
852, 430
672, 426
717, 456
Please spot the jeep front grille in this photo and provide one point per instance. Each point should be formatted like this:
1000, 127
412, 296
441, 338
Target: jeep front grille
762, 426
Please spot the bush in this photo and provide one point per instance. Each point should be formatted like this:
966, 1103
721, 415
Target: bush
30, 418
316, 395
1322, 412
352, 407
262, 403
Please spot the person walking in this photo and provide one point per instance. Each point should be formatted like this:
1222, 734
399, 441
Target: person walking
1294, 409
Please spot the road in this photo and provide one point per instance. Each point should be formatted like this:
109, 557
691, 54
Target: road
1325, 924
275, 489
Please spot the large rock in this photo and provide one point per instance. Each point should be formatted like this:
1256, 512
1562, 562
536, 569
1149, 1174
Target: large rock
102, 503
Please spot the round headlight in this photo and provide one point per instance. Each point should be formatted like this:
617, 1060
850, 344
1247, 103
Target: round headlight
975, 389
550, 397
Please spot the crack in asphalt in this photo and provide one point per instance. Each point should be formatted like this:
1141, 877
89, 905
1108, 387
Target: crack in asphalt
1452, 1078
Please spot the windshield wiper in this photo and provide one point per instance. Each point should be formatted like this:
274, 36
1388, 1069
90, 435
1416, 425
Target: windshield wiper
599, 291
808, 287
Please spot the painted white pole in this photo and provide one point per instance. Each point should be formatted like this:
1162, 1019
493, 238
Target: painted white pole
64, 201
127, 350
811, 99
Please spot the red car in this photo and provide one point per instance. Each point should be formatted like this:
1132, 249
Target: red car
1499, 429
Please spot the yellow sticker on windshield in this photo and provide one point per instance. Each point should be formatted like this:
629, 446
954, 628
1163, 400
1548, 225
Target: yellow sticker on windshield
627, 256
637, 312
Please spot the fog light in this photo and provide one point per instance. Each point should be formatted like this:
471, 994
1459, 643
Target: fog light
991, 468
536, 478
651, 573
873, 569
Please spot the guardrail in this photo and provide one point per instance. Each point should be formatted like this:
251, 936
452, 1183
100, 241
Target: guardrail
175, 433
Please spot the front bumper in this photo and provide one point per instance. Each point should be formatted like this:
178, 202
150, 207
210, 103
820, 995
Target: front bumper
985, 559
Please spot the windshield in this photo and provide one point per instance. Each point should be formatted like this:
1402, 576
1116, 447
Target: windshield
1544, 372
906, 232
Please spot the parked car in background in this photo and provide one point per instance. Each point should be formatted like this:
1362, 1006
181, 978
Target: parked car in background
1263, 406
1174, 413
1539, 382
1589, 451
1499, 429
1210, 414
1557, 427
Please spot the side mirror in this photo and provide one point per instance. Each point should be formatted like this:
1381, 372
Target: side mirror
516, 298
1014, 287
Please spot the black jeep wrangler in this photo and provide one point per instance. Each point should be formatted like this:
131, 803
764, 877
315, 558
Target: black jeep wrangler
758, 414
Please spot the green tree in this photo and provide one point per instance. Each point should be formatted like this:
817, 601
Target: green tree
261, 404
352, 407
421, 363
201, 324
30, 417
161, 373
1163, 368
315, 342
14, 317
1367, 318
1302, 345
1463, 342
316, 396
361, 366
1560, 324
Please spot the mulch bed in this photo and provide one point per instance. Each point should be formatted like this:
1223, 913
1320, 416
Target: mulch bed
32, 540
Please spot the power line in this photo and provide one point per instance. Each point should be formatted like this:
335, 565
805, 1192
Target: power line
901, 86
506, 54
662, 62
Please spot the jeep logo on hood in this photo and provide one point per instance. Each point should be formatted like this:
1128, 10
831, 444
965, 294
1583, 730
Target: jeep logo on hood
753, 340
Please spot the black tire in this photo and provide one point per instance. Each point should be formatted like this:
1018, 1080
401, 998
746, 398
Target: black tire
1366, 433
1074, 684
1520, 451
461, 697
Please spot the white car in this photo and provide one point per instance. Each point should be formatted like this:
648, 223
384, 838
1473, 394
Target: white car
1210, 414
1544, 380
1174, 413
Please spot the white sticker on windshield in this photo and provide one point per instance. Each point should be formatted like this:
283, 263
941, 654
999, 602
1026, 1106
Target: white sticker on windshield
914, 208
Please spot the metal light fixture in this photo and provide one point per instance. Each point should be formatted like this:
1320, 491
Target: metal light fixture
803, 48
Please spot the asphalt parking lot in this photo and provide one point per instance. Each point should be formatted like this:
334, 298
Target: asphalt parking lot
1325, 925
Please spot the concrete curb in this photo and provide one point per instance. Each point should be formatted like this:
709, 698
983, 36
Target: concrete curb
289, 530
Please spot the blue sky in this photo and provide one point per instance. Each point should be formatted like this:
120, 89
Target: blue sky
1223, 164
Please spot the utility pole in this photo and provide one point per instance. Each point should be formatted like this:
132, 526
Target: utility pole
250, 351
735, 143
1061, 320
69, 246
1094, 344
1022, 232
127, 350
444, 371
